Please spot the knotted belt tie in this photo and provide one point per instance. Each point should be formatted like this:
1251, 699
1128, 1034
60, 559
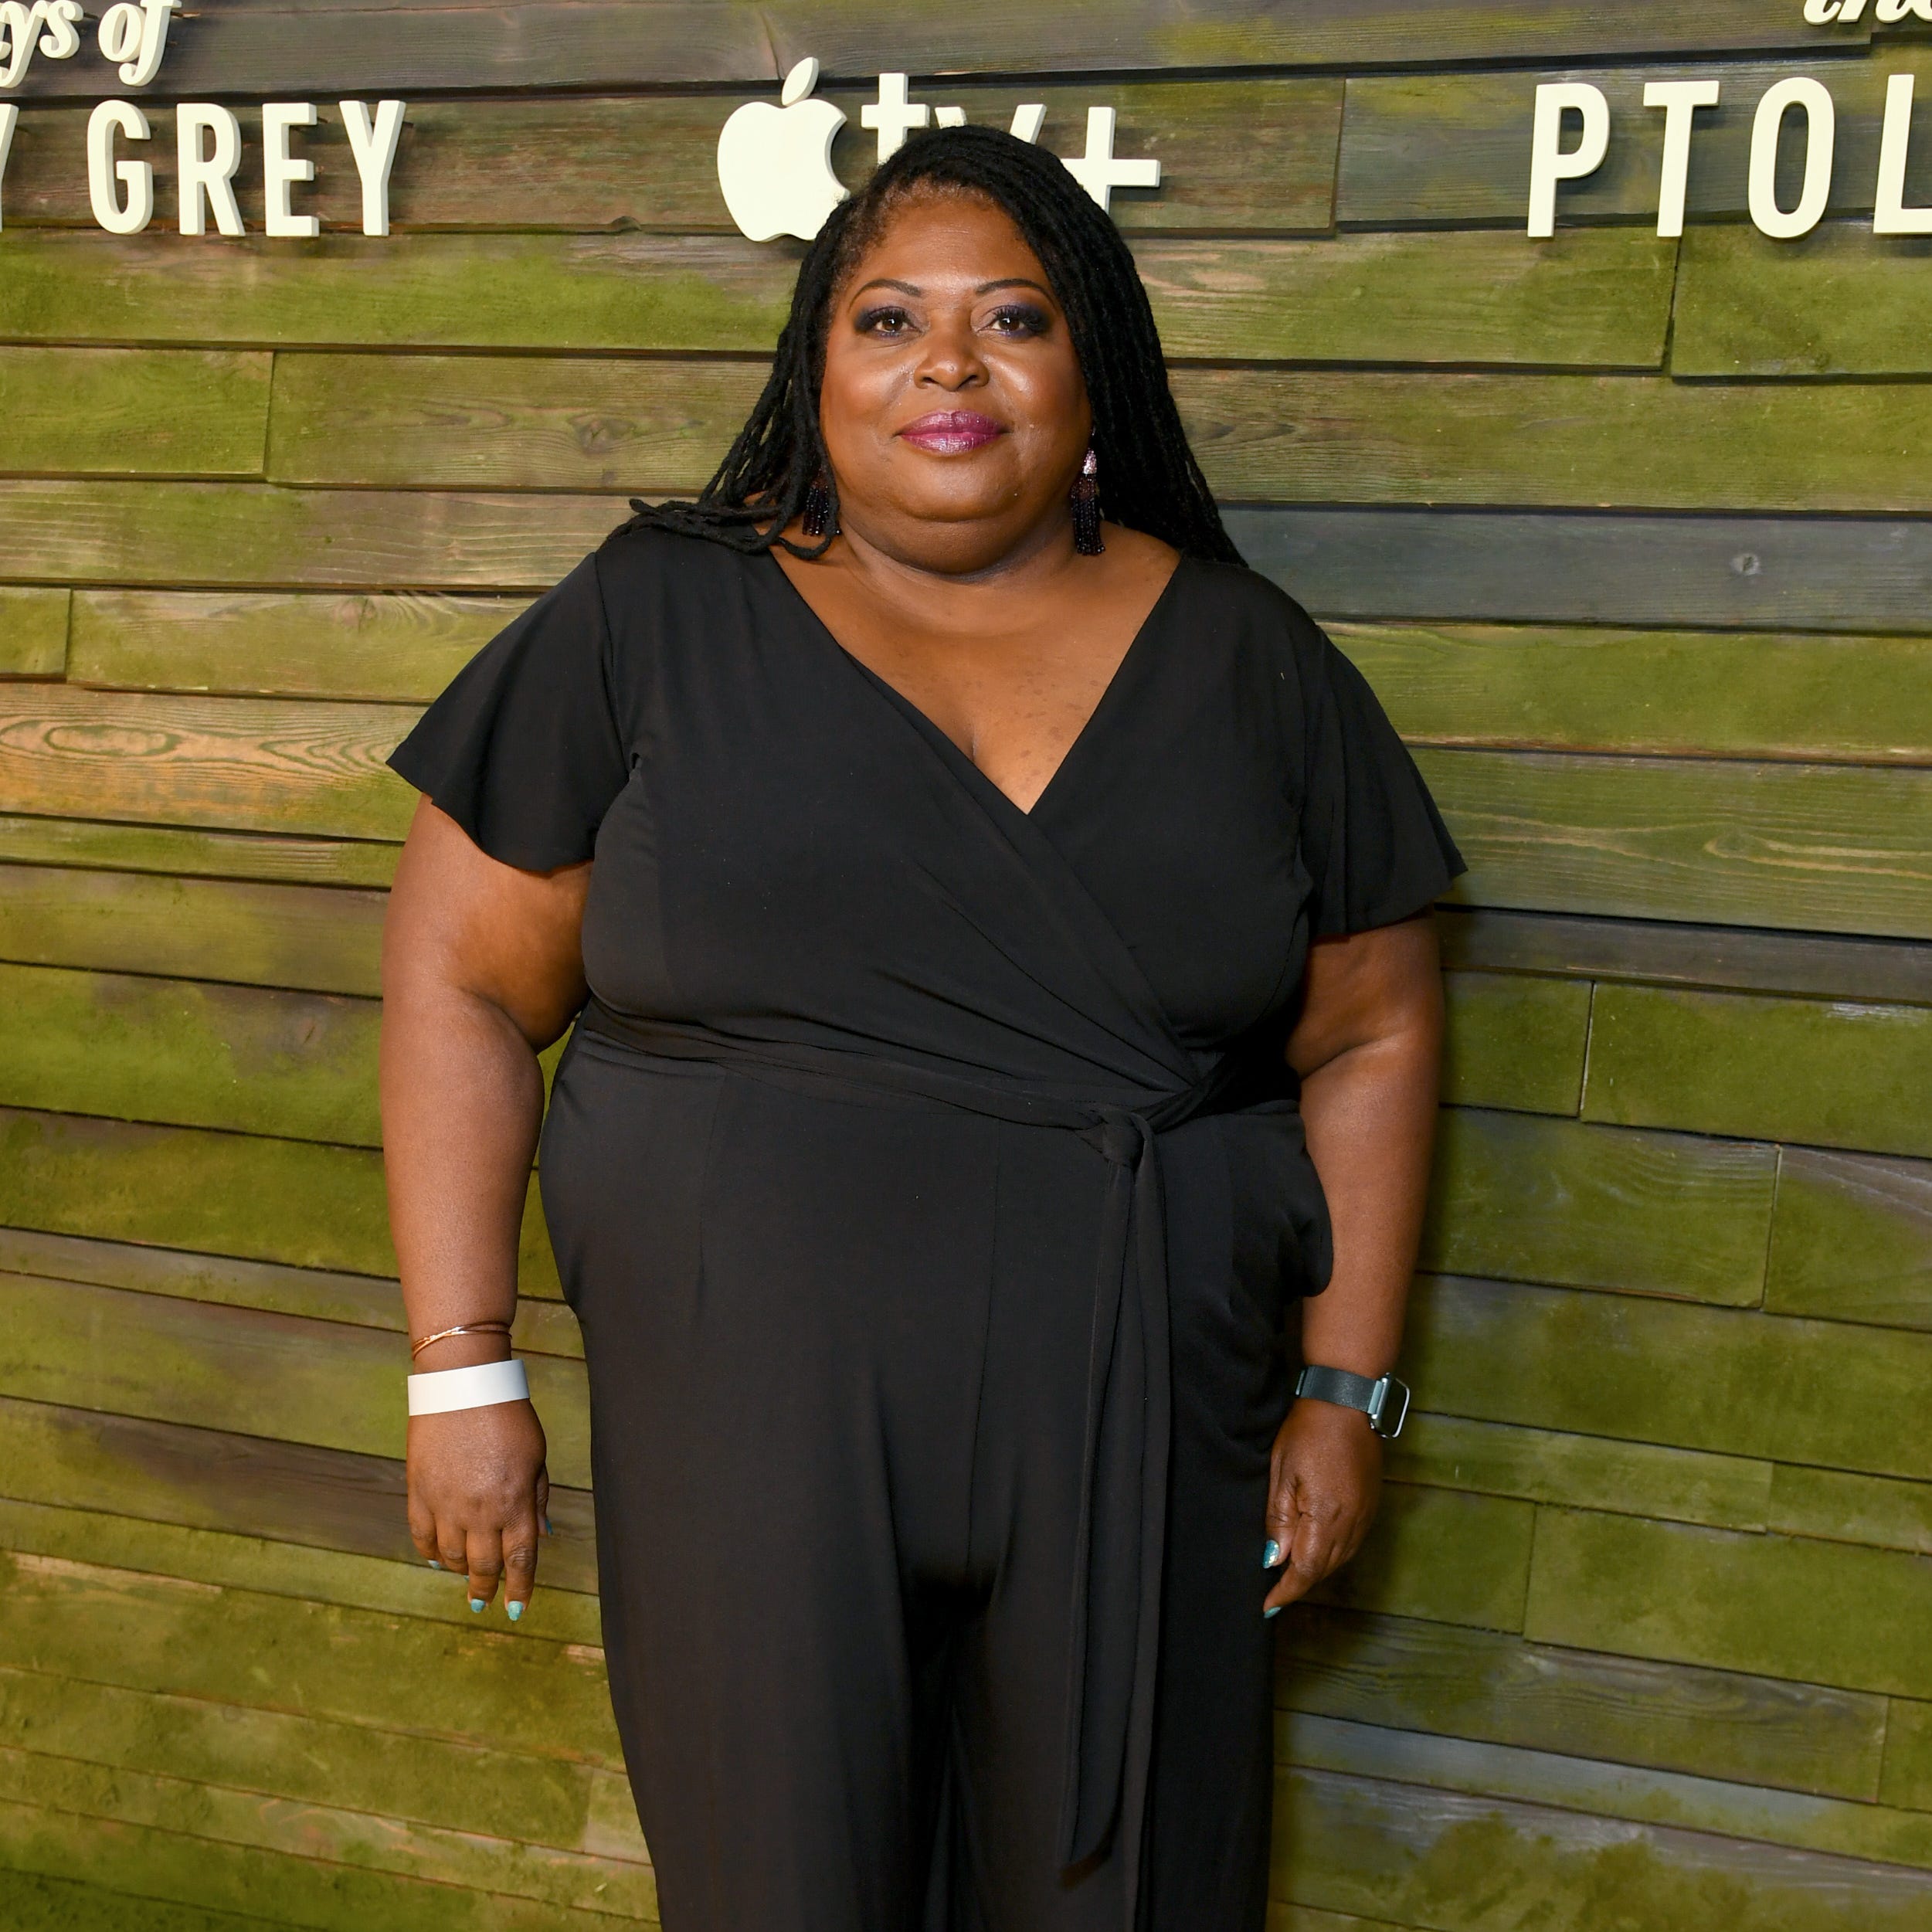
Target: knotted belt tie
1114, 1621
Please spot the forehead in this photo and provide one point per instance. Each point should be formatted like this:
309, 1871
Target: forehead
944, 235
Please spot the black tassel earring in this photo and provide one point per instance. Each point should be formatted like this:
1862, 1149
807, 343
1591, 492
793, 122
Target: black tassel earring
817, 518
1086, 506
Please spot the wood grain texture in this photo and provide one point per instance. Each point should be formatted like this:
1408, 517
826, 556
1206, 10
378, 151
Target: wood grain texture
319, 938
1750, 573
1781, 1606
1532, 1199
33, 1902
330, 1385
1828, 848
1833, 1074
101, 845
1475, 1863
1861, 701
250, 763
1908, 1755
299, 1065
1730, 959
1478, 1684
1730, 1382
1852, 1239
1515, 1042
33, 633
1840, 301
1254, 153
238, 1487
1455, 147
1583, 1471
1839, 1508
380, 649
132, 411
1801, 1822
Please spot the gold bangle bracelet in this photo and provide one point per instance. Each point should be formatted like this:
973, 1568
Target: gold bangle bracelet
461, 1328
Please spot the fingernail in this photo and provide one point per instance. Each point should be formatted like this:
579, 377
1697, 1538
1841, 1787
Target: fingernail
1273, 1610
434, 1564
477, 1604
1272, 1555
515, 1610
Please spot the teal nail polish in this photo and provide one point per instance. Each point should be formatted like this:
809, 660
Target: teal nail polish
434, 1564
515, 1610
1272, 1555
1273, 1611
477, 1604
547, 1529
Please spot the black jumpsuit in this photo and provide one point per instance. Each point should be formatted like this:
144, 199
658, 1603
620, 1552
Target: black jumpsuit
927, 1178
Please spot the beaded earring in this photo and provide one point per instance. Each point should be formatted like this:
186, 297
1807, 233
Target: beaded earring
817, 517
1086, 506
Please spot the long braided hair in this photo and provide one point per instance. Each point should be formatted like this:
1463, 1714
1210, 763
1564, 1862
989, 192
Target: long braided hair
1148, 478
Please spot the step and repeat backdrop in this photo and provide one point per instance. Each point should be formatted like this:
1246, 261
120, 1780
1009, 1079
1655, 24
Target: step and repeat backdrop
1567, 361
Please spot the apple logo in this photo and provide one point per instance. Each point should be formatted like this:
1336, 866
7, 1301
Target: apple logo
775, 164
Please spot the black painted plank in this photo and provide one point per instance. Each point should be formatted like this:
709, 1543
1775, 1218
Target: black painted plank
1771, 573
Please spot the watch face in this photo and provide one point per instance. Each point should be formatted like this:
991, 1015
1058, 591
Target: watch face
1391, 1408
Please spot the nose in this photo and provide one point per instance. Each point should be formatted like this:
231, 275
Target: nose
950, 358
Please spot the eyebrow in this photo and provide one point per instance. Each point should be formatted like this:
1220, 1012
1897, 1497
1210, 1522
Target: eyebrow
985, 288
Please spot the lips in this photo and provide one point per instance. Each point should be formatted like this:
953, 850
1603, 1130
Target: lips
951, 432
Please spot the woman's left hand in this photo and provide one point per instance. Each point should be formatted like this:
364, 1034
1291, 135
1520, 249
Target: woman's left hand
1324, 1483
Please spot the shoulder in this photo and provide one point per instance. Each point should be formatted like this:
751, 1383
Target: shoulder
1266, 636
645, 561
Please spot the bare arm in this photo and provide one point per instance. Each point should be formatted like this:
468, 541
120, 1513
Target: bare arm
481, 970
1368, 1047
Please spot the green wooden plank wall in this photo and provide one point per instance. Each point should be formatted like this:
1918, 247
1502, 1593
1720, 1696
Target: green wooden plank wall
1634, 537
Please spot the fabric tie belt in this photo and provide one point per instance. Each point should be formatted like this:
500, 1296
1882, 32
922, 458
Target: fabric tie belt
1114, 1624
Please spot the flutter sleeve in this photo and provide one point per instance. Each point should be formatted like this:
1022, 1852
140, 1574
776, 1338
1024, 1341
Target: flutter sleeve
524, 748
1372, 839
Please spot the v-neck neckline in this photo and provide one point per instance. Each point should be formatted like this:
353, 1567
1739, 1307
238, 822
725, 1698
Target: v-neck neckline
943, 742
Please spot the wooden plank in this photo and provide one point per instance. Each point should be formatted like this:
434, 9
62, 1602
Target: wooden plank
1829, 848
253, 1496
32, 1902
97, 845
1441, 1554
1252, 153
1370, 436
1862, 701
1780, 1606
1583, 1471
1515, 1042
1839, 1508
1834, 1073
387, 649
406, 1587
1841, 301
1430, 1677
1531, 1199
1852, 1240
461, 1787
132, 411
242, 1370
1472, 1863
1800, 1822
250, 535
357, 1840
1732, 1382
466, 1681
33, 633
193, 1052
321, 1295
1741, 572
1908, 1755
1455, 147
326, 939
1730, 959
255, 764
299, 1891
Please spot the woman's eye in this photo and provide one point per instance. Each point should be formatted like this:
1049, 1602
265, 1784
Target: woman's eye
1018, 318
882, 321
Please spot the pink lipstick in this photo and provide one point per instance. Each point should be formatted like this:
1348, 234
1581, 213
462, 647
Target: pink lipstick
951, 432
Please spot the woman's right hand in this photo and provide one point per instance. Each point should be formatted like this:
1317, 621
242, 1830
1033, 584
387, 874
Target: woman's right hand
480, 1497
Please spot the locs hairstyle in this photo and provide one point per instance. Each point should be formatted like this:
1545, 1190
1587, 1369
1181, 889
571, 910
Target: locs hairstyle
1148, 478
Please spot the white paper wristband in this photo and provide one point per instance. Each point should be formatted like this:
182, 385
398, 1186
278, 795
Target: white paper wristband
476, 1387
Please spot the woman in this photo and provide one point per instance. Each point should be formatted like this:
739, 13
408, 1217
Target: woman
925, 1170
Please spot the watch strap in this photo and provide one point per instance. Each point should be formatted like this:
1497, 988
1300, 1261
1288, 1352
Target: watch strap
1384, 1400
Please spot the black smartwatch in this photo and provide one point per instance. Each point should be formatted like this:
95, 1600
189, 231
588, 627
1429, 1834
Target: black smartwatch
1385, 1400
